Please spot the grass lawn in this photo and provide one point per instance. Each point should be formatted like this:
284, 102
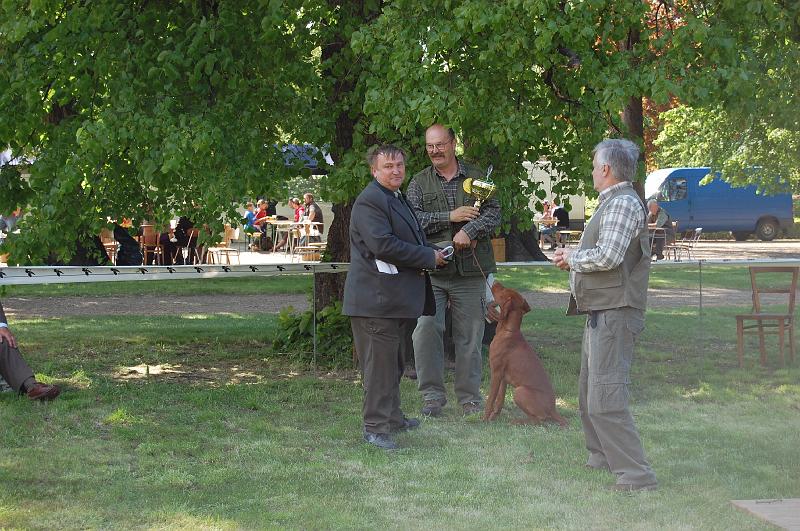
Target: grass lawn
525, 278
224, 433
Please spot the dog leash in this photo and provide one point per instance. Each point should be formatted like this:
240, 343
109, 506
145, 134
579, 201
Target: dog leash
475, 260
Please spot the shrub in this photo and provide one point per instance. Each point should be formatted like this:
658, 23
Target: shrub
334, 337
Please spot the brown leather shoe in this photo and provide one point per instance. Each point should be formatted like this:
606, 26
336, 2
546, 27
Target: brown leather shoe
41, 391
627, 487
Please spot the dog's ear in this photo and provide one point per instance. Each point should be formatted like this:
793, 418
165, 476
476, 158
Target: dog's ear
524, 304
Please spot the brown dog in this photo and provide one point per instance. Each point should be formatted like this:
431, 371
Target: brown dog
514, 362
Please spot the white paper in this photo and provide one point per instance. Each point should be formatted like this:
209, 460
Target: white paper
386, 267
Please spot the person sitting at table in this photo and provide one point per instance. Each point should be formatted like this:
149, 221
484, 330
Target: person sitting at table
176, 241
250, 218
261, 216
313, 211
297, 206
658, 218
562, 223
546, 216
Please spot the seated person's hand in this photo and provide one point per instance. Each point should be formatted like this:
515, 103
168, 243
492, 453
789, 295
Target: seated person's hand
6, 335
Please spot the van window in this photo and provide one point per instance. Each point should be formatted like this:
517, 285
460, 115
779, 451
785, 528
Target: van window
674, 189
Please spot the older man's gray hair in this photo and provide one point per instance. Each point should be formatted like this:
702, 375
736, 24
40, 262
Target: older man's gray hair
622, 155
651, 202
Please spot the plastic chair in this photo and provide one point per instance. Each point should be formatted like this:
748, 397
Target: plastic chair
780, 322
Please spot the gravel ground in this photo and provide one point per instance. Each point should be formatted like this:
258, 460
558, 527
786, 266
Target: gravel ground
23, 307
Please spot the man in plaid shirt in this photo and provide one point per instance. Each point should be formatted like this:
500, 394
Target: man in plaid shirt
608, 281
448, 217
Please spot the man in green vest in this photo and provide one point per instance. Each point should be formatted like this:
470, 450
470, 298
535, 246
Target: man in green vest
448, 217
608, 282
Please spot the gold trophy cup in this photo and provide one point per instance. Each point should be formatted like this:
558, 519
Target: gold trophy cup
481, 189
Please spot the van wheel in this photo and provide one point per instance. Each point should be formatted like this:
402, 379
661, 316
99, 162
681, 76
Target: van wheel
740, 236
767, 230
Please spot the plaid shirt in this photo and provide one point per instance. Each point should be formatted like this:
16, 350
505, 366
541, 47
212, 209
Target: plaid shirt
432, 222
623, 219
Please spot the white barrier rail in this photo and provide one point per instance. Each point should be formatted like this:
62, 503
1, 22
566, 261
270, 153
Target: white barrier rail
73, 274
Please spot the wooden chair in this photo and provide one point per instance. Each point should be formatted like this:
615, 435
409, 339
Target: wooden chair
223, 250
782, 322
109, 244
151, 245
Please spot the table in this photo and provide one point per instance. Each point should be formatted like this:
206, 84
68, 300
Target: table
570, 237
288, 227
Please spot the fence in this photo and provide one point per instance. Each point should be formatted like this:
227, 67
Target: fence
69, 274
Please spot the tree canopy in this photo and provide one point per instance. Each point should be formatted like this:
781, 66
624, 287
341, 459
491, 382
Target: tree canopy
750, 129
144, 109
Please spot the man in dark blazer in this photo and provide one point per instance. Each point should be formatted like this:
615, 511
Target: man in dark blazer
14, 369
385, 290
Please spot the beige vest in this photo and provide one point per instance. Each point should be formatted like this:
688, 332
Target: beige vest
625, 285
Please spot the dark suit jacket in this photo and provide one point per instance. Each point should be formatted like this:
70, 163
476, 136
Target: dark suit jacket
382, 227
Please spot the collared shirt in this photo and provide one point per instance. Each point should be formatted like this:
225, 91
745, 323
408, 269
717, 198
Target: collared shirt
431, 222
661, 218
623, 219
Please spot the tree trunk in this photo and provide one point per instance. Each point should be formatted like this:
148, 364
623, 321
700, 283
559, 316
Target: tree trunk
523, 245
337, 58
633, 115
329, 287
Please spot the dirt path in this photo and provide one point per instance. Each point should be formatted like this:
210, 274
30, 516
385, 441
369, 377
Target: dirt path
26, 307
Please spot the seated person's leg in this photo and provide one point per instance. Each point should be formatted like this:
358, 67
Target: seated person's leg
19, 375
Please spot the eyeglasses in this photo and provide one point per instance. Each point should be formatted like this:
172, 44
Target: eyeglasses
437, 147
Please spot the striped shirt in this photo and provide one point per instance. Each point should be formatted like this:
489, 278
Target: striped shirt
623, 218
483, 225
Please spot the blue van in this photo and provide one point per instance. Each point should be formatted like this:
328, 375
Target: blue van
717, 206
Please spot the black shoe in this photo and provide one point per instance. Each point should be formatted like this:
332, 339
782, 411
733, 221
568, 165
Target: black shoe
381, 440
552, 248
408, 424
471, 408
625, 487
433, 408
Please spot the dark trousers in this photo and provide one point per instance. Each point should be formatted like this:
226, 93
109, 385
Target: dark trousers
13, 368
381, 344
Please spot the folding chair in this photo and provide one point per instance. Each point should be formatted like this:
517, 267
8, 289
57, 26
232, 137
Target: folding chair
686, 245
780, 321
189, 252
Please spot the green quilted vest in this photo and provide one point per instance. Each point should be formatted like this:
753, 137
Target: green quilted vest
434, 200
